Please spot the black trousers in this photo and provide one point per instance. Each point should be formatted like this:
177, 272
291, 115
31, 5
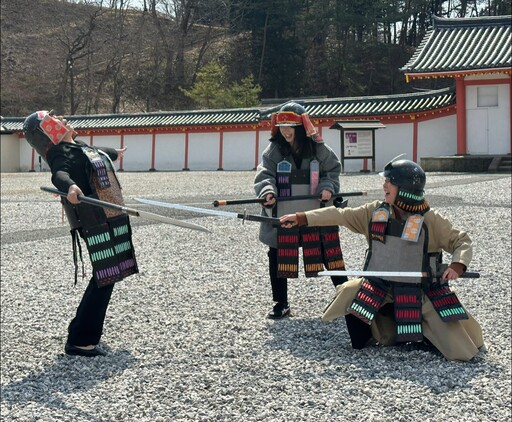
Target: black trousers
280, 284
87, 325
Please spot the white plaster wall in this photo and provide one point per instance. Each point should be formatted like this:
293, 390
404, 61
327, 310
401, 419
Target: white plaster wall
331, 138
203, 151
10, 153
238, 151
170, 151
264, 143
499, 123
437, 137
25, 158
138, 153
108, 141
488, 128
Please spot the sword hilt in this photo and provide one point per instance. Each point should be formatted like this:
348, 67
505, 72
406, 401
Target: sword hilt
259, 218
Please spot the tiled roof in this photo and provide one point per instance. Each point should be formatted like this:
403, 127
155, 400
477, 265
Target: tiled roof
455, 45
380, 105
151, 120
334, 108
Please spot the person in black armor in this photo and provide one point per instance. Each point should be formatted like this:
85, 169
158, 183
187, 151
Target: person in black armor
297, 162
80, 169
404, 235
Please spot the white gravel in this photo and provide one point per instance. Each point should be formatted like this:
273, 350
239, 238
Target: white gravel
187, 338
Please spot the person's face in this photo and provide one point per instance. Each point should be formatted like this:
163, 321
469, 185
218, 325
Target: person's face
390, 192
288, 133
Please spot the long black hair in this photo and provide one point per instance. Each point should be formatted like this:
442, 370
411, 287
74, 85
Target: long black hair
303, 145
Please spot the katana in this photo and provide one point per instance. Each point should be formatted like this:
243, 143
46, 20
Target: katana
244, 216
222, 202
384, 274
130, 211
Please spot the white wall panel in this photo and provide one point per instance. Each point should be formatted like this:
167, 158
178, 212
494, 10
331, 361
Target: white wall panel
488, 128
393, 140
203, 151
437, 137
238, 150
264, 142
10, 153
138, 153
169, 151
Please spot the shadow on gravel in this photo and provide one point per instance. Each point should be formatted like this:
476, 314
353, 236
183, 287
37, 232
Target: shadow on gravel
67, 375
329, 343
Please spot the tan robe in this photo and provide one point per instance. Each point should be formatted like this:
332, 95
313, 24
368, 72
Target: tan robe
456, 340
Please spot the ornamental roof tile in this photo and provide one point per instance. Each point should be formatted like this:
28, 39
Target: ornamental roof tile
333, 108
468, 44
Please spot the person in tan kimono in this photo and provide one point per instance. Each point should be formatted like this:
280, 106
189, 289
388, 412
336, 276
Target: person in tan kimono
404, 235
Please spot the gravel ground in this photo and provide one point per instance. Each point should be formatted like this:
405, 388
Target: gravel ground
187, 338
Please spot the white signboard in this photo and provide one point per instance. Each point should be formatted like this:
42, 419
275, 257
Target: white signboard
358, 144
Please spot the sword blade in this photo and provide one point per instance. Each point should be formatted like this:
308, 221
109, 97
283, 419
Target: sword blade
381, 274
131, 211
187, 208
249, 217
384, 274
172, 221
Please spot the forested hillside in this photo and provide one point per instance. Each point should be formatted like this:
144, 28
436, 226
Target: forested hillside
93, 56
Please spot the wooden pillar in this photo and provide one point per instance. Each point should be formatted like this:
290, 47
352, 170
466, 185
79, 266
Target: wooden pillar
257, 149
221, 148
122, 158
153, 147
460, 91
185, 165
415, 141
32, 167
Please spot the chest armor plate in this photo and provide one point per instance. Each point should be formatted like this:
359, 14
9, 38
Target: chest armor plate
399, 254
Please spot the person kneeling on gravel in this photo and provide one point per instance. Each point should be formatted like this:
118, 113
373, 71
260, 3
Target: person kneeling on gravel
404, 235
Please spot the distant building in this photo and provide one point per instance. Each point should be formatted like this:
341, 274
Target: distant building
476, 52
473, 118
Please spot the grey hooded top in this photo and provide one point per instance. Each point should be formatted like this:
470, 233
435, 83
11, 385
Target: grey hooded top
265, 180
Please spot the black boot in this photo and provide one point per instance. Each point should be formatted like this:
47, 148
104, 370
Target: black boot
358, 330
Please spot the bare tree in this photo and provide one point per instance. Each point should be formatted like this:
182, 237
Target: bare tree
75, 40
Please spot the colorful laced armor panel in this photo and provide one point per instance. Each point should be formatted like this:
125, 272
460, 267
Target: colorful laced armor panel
110, 244
368, 299
284, 182
111, 250
332, 253
320, 246
311, 250
111, 194
411, 202
288, 252
99, 166
407, 304
379, 223
446, 303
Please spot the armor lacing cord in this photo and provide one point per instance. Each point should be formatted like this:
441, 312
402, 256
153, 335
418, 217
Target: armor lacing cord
75, 239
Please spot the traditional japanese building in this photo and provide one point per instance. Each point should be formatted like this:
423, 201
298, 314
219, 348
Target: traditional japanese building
476, 53
471, 118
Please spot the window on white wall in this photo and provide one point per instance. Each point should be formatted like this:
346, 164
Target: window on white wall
487, 96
